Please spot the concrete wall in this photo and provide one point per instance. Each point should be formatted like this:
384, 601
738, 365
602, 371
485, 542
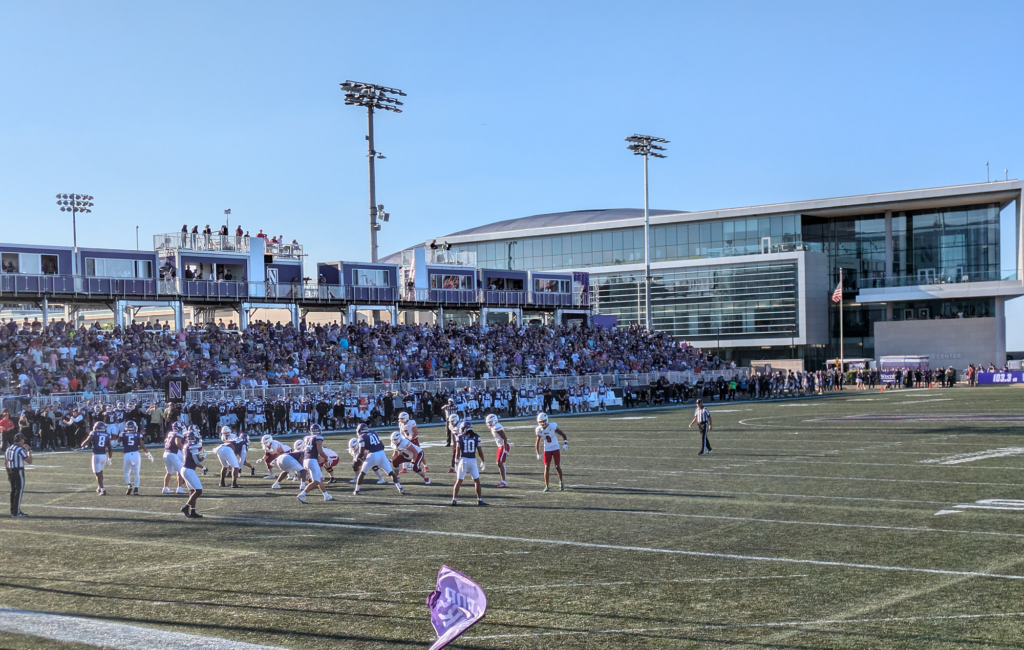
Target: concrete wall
951, 342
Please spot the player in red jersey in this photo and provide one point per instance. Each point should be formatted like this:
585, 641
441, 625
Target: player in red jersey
404, 451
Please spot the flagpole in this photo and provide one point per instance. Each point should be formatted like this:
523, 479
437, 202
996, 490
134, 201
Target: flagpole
842, 356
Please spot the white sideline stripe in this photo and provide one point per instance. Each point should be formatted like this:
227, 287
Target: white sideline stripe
726, 626
978, 455
74, 629
561, 542
830, 524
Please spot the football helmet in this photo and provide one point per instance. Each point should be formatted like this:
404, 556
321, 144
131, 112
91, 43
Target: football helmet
453, 420
315, 429
542, 419
465, 426
361, 429
99, 427
266, 441
131, 427
491, 420
403, 417
396, 438
353, 447
300, 445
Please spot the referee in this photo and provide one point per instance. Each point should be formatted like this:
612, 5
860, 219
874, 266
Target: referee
15, 458
703, 419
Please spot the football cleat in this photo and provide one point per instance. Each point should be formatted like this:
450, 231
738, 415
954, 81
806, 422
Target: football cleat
302, 497
426, 481
166, 490
328, 497
275, 486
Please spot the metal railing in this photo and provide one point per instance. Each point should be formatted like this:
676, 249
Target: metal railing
291, 251
200, 242
367, 388
924, 277
441, 256
15, 285
760, 249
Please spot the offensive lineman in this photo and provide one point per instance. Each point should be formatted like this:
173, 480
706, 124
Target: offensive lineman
501, 440
370, 443
548, 432
467, 446
131, 442
227, 454
101, 453
406, 452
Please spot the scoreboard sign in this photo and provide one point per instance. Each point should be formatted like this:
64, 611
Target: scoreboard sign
175, 389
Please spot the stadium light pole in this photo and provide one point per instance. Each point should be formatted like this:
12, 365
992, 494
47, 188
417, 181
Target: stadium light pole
75, 203
646, 146
372, 96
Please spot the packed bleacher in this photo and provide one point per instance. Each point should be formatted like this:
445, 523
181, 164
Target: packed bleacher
58, 359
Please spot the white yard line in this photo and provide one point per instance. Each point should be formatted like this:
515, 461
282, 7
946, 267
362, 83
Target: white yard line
727, 626
765, 494
958, 459
575, 544
75, 629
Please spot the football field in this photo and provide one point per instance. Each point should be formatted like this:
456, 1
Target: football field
863, 520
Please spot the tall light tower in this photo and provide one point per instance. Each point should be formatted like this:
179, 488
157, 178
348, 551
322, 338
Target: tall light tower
75, 203
644, 145
372, 96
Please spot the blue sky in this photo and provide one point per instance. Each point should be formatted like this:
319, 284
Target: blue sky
169, 113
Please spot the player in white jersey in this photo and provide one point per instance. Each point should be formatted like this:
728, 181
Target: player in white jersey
174, 442
501, 440
407, 427
406, 452
329, 464
547, 433
452, 433
228, 456
280, 456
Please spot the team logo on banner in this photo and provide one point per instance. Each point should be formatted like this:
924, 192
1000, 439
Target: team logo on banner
175, 389
456, 604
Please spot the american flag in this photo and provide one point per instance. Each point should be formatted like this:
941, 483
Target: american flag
837, 295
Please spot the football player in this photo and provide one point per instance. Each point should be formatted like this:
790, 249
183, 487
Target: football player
131, 443
404, 451
173, 444
501, 440
227, 454
279, 455
369, 442
194, 456
467, 446
547, 433
358, 456
312, 457
330, 464
452, 434
409, 431
101, 453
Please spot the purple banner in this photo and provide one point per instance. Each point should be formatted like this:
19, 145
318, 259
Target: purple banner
455, 605
1015, 377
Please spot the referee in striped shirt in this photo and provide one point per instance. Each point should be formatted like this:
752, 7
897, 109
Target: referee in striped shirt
15, 458
703, 419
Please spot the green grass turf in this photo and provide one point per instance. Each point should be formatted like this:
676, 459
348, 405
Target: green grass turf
780, 473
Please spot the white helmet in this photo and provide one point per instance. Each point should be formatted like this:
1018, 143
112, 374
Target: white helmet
396, 437
353, 447
226, 435
491, 420
542, 419
300, 445
403, 417
266, 441
453, 419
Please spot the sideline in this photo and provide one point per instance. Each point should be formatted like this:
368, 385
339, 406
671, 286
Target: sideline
106, 634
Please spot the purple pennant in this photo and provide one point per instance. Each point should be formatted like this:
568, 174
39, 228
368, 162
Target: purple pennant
456, 604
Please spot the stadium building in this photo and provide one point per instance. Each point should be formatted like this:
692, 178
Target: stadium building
921, 271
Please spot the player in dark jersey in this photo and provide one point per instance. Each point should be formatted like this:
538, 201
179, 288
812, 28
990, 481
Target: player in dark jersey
467, 446
370, 444
131, 443
194, 454
173, 457
101, 453
312, 456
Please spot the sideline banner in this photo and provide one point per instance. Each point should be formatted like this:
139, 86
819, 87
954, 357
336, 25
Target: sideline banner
456, 604
995, 378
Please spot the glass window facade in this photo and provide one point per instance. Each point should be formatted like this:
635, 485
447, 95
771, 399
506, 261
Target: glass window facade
626, 245
954, 245
741, 301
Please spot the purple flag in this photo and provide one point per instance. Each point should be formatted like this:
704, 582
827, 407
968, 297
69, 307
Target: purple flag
455, 605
